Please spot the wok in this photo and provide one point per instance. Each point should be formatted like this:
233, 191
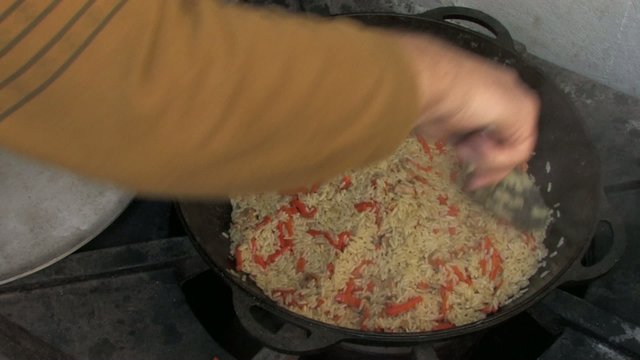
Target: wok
574, 175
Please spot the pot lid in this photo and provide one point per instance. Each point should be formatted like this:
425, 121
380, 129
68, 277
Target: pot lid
47, 213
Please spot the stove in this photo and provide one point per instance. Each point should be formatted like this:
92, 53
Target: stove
140, 290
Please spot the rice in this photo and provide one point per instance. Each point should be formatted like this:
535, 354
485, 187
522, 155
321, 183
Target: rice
395, 247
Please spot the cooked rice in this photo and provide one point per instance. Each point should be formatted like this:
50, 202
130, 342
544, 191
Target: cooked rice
418, 254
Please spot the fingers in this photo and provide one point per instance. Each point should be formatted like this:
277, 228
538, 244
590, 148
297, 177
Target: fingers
491, 159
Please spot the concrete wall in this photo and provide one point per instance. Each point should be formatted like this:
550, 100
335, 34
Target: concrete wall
597, 38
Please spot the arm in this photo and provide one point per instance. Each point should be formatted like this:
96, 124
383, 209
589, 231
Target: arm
196, 98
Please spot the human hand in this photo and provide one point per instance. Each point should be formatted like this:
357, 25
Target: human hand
482, 107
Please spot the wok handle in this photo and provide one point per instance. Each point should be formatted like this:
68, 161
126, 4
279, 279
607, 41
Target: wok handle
289, 339
579, 272
503, 37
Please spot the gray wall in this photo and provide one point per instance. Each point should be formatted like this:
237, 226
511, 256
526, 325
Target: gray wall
597, 38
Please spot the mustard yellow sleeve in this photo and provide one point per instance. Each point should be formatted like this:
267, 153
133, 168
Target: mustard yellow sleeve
198, 98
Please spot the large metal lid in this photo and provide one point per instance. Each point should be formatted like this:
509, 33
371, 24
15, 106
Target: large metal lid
47, 213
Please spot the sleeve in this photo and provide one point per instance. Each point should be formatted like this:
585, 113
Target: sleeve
198, 98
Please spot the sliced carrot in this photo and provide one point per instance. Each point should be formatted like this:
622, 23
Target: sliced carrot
366, 205
397, 309
461, 275
302, 208
424, 168
425, 146
338, 244
441, 146
423, 285
330, 269
489, 309
300, 264
274, 257
266, 220
436, 262
289, 226
483, 266
452, 230
363, 319
487, 243
238, 256
453, 211
421, 180
357, 271
442, 326
288, 210
283, 291
442, 199
258, 259
444, 295
346, 183
370, 287
348, 299
530, 240
342, 240
496, 264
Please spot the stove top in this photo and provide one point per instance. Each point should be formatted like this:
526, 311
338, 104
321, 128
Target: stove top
140, 290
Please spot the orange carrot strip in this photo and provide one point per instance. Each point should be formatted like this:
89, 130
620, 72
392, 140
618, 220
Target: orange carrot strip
444, 295
357, 271
421, 167
276, 254
425, 146
453, 211
442, 326
436, 262
366, 205
496, 264
300, 264
441, 146
423, 285
330, 269
348, 299
258, 259
483, 266
289, 226
238, 257
339, 244
487, 243
488, 309
452, 230
442, 199
397, 309
342, 240
302, 208
370, 287
265, 221
288, 210
365, 316
421, 180
461, 275
346, 183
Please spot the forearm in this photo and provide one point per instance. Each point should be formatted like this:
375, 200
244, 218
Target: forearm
192, 98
